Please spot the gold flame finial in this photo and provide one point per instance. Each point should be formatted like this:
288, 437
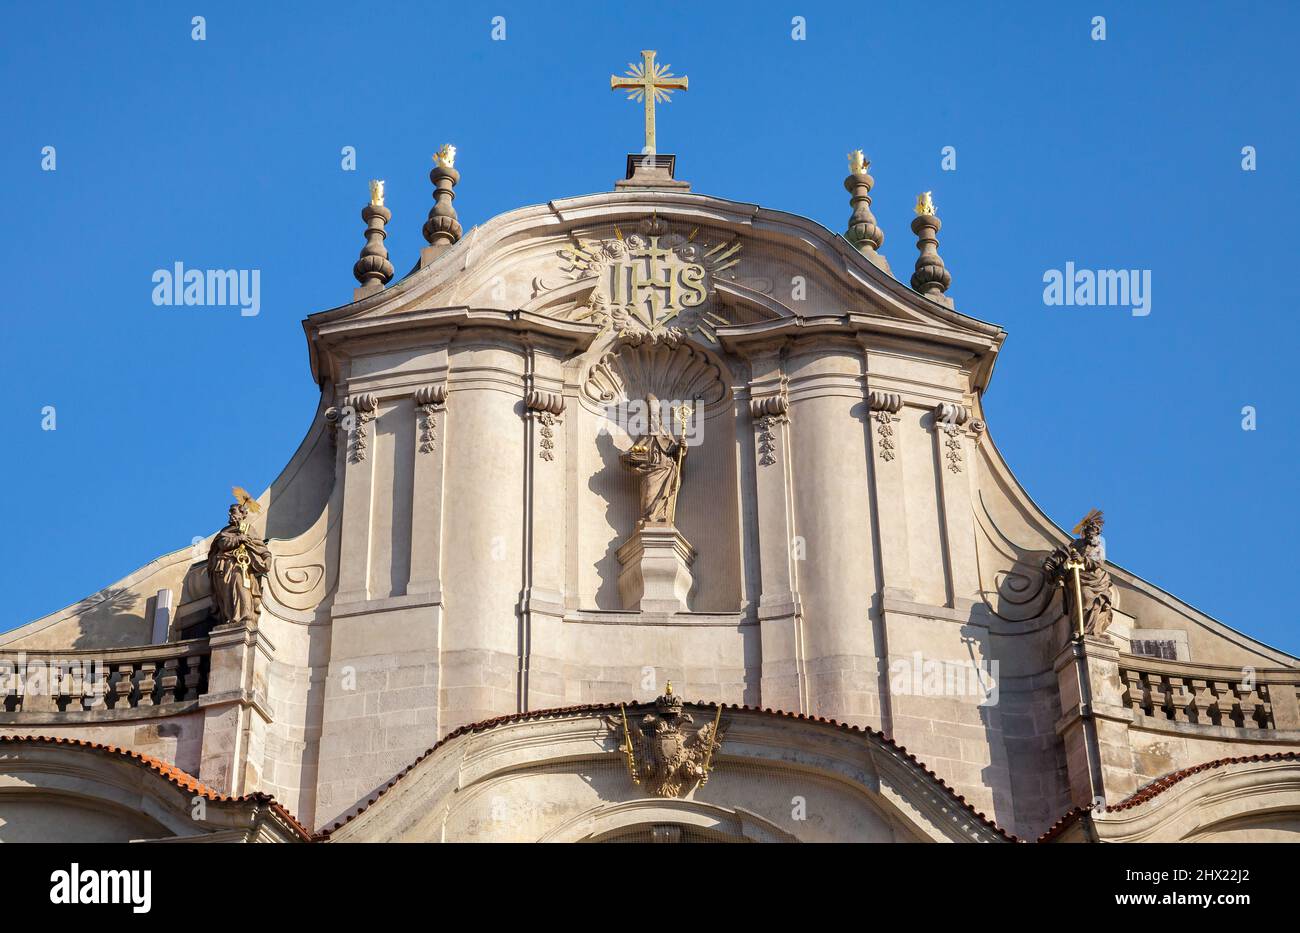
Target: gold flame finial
376, 192
446, 156
858, 163
924, 203
668, 690
243, 498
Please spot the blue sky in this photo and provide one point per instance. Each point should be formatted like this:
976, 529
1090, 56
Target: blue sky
225, 153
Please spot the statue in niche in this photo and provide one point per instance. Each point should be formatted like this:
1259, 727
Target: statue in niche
238, 564
657, 458
1079, 569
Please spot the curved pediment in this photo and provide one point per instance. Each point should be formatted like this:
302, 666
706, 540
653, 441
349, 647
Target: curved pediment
666, 264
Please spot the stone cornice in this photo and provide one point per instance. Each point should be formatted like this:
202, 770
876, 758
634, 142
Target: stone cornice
826, 253
327, 337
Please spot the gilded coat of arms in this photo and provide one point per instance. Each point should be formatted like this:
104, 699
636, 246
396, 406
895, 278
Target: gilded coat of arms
662, 754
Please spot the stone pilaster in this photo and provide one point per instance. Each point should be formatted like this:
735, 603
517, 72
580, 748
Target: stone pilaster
358, 480
837, 568
783, 684
890, 494
541, 598
951, 453
426, 514
382, 684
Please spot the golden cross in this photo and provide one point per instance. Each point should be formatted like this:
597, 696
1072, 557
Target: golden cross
650, 83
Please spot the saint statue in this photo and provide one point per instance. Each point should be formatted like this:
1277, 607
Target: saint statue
238, 564
657, 457
1082, 562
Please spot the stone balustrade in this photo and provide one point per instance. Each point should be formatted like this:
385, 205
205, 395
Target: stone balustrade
1211, 695
116, 679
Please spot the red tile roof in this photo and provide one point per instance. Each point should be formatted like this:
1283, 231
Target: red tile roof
1159, 786
170, 772
609, 707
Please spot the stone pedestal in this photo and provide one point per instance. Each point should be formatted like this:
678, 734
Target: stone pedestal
655, 570
1094, 723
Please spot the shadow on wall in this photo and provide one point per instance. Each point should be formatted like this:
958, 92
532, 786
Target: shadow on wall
110, 617
617, 488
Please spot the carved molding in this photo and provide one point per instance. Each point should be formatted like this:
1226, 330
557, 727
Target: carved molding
949, 418
540, 400
767, 414
333, 415
668, 372
363, 412
654, 283
546, 407
772, 406
885, 406
429, 400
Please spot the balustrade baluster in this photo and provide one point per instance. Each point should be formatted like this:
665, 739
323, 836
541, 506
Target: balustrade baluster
147, 682
170, 680
125, 685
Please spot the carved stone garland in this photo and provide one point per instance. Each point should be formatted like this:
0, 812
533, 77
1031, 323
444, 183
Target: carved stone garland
948, 418
546, 407
885, 406
430, 400
363, 412
767, 414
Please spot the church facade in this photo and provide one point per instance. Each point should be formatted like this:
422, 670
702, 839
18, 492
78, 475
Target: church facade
646, 516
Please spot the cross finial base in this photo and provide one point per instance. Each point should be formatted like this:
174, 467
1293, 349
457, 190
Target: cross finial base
651, 171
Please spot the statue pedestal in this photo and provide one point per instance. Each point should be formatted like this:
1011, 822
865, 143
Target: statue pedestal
655, 569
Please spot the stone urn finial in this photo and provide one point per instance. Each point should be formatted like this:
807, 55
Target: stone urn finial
863, 231
442, 229
931, 277
373, 270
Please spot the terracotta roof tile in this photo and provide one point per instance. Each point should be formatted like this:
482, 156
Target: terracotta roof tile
1159, 786
170, 772
609, 707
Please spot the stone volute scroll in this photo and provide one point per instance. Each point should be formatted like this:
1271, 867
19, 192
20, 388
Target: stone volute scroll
1079, 570
238, 563
655, 561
